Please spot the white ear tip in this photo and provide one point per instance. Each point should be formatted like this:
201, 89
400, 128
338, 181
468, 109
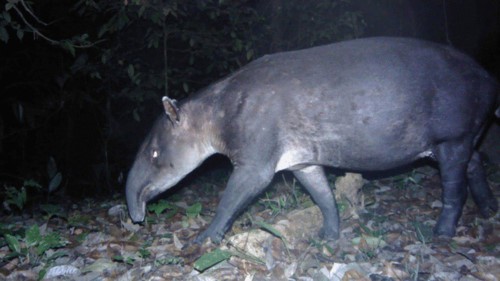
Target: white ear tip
165, 98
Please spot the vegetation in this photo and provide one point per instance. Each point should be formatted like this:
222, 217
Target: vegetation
33, 245
82, 78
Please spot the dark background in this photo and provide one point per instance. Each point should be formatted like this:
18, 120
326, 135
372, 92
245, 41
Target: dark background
86, 94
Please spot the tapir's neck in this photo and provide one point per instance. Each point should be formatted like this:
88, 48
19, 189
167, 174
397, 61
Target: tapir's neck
198, 122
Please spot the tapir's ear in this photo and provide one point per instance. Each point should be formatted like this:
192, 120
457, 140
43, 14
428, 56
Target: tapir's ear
171, 109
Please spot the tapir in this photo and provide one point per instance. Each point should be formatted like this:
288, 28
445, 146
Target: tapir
368, 104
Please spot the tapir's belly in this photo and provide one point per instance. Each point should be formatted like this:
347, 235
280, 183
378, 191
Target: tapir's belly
350, 158
365, 148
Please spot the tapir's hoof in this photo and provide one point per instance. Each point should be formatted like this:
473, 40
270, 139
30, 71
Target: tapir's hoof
191, 249
215, 237
441, 231
328, 234
489, 208
200, 239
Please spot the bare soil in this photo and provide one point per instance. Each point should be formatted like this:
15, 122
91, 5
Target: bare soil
386, 235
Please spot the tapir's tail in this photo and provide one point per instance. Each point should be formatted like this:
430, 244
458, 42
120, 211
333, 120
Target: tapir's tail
497, 112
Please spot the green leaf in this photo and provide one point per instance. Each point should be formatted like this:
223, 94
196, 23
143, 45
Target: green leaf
249, 54
16, 197
84, 37
141, 11
104, 29
238, 45
53, 210
13, 243
161, 206
42, 273
144, 253
50, 241
136, 115
51, 167
67, 45
185, 86
32, 183
156, 18
269, 228
171, 213
33, 236
210, 259
122, 21
118, 258
194, 210
9, 6
96, 74
6, 16
23, 197
371, 241
55, 182
20, 34
57, 255
104, 57
71, 49
4, 36
130, 71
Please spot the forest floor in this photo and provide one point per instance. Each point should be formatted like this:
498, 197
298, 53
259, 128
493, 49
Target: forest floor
385, 235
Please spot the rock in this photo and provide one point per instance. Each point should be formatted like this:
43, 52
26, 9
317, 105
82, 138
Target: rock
61, 271
348, 188
296, 229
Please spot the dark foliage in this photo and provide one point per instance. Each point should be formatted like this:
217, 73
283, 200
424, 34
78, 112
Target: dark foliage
81, 81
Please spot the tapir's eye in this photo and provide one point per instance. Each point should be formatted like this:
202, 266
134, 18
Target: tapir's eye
155, 153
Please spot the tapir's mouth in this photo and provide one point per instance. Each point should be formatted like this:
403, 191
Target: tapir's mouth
136, 201
138, 213
136, 206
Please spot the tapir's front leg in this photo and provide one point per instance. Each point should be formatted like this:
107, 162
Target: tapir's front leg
245, 183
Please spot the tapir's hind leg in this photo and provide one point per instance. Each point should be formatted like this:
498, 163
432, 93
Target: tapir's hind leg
453, 157
314, 180
480, 191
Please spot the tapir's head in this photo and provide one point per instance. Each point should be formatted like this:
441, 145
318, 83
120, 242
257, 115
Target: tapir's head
168, 153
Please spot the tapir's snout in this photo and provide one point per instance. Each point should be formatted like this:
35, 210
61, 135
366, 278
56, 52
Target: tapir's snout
137, 217
135, 201
136, 206
137, 211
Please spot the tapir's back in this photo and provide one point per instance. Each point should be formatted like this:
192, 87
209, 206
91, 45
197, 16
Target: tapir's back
379, 94
399, 70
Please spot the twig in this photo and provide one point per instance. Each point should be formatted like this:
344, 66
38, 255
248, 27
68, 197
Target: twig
50, 40
32, 14
33, 28
447, 33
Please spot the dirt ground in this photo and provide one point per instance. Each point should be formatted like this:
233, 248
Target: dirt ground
386, 234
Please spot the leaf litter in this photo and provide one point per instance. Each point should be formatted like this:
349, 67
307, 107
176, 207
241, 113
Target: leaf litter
386, 234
